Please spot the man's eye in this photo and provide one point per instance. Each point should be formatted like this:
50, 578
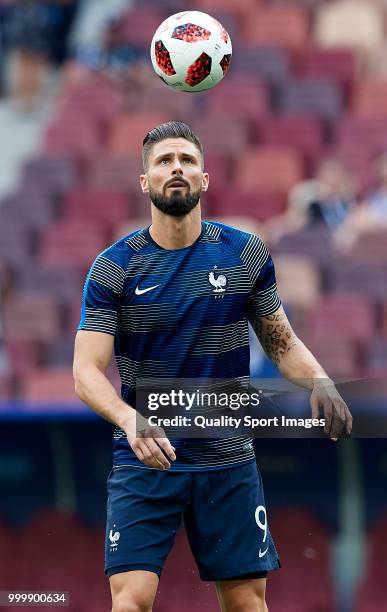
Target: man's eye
164, 161
188, 161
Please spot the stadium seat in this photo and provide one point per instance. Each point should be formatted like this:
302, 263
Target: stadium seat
350, 24
349, 316
370, 248
269, 63
238, 96
371, 596
332, 64
368, 100
71, 245
314, 242
221, 133
139, 24
356, 278
54, 175
303, 133
258, 206
285, 26
311, 97
35, 209
128, 131
50, 386
244, 7
5, 393
303, 543
113, 174
16, 241
72, 137
109, 209
61, 283
94, 99
24, 355
31, 316
366, 134
268, 170
298, 280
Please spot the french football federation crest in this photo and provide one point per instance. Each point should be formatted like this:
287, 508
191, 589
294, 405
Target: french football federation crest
218, 282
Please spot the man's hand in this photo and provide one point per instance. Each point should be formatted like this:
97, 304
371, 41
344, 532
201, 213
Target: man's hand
148, 443
338, 419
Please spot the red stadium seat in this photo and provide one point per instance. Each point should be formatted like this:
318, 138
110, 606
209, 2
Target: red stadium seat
298, 280
351, 317
370, 248
368, 100
269, 63
259, 206
71, 136
113, 174
51, 386
367, 134
31, 317
244, 7
303, 544
311, 97
54, 175
238, 96
371, 596
268, 170
222, 133
71, 245
356, 278
128, 132
285, 26
303, 133
333, 64
108, 209
139, 24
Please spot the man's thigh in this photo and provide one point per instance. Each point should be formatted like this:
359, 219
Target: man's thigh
144, 512
227, 525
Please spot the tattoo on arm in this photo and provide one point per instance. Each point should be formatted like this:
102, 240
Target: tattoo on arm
275, 334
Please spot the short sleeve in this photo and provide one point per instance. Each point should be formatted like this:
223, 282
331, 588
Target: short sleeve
263, 299
102, 297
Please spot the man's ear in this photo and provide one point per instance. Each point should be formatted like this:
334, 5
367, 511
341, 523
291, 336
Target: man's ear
144, 183
205, 181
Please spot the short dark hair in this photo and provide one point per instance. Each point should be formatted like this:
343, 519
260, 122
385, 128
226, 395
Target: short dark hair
172, 129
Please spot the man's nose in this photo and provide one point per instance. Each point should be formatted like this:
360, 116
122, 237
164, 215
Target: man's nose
176, 167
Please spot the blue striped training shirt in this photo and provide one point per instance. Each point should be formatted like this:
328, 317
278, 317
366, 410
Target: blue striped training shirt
193, 323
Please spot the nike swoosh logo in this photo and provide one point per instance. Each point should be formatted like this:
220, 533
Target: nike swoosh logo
262, 554
141, 291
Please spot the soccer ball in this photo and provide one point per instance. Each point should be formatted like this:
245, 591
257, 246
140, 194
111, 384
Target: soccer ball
191, 51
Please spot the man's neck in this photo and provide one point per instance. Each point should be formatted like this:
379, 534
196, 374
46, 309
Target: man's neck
175, 232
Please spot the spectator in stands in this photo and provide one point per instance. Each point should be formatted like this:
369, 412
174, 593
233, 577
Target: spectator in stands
372, 214
325, 200
36, 36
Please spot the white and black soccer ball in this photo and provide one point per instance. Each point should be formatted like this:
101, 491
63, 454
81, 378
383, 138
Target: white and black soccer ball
191, 51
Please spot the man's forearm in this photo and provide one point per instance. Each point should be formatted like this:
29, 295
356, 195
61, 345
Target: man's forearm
95, 389
299, 365
286, 350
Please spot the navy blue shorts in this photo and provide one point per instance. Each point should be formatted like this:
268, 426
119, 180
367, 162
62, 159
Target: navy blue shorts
224, 514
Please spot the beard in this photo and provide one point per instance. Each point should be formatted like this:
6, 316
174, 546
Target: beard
176, 205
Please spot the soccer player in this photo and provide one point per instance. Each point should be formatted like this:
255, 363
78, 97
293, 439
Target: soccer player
175, 300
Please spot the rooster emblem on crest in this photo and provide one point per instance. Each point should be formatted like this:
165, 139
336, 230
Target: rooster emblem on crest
219, 283
114, 537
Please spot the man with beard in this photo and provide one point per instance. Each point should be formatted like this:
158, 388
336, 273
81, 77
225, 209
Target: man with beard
176, 299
